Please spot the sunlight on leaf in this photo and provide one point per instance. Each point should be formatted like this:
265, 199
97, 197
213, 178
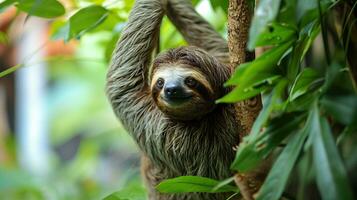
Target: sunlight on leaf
41, 8
184, 184
274, 34
84, 20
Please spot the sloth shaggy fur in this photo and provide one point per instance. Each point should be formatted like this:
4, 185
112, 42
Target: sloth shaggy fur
171, 147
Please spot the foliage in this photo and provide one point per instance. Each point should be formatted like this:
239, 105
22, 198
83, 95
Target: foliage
193, 184
295, 89
308, 96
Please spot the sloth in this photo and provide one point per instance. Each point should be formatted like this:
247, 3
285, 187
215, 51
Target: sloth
167, 104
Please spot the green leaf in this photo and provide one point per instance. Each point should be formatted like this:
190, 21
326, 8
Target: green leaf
306, 36
266, 12
240, 93
276, 33
5, 4
302, 103
223, 183
253, 152
331, 175
220, 4
85, 20
303, 83
253, 78
307, 10
261, 68
10, 70
268, 107
184, 184
274, 184
331, 75
134, 192
342, 107
41, 8
287, 13
303, 6
257, 145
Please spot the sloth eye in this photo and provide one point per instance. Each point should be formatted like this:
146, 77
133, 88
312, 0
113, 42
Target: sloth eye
191, 82
160, 83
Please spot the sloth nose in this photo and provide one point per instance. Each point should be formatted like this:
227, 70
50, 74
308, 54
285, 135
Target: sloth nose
173, 91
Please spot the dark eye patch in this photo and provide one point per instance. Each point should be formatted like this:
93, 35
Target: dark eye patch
203, 91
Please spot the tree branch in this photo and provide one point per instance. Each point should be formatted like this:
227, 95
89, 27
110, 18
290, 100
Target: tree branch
239, 18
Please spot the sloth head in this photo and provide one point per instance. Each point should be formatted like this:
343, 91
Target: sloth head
185, 82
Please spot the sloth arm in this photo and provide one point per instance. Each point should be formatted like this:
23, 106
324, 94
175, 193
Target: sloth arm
127, 87
196, 30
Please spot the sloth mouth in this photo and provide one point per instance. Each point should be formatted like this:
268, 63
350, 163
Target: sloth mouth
177, 100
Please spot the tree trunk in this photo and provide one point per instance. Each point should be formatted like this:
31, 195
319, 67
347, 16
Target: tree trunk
239, 18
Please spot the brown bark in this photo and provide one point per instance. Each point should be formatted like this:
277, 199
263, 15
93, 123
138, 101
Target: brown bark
239, 18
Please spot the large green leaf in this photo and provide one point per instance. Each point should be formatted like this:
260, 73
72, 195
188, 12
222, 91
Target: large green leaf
276, 33
261, 68
239, 94
251, 78
184, 184
274, 184
41, 8
331, 175
303, 83
134, 192
265, 13
84, 20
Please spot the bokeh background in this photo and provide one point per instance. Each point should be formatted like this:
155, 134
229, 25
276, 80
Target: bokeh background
59, 138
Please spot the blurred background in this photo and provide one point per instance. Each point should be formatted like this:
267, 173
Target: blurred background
59, 138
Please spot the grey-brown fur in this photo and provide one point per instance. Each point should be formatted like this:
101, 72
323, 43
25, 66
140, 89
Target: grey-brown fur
171, 148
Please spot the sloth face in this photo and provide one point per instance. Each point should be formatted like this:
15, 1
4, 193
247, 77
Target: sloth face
182, 92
